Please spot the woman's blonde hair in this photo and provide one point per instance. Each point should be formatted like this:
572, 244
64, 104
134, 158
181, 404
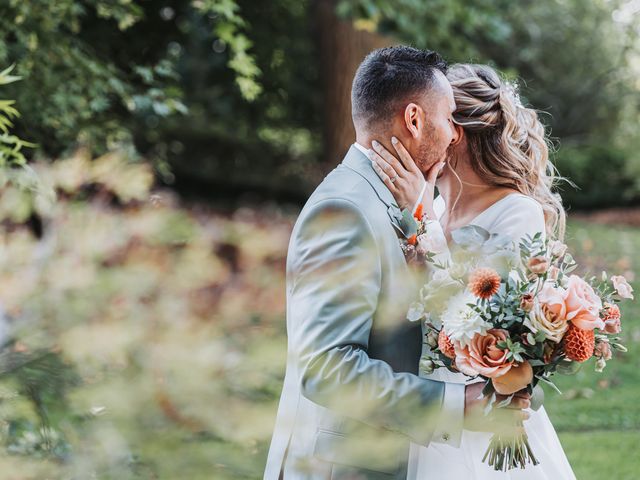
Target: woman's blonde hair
507, 141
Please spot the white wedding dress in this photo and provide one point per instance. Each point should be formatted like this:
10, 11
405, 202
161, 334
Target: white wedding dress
515, 215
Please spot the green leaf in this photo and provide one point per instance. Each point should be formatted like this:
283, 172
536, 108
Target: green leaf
550, 383
408, 224
470, 235
505, 402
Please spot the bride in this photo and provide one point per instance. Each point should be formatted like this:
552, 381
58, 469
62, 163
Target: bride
497, 176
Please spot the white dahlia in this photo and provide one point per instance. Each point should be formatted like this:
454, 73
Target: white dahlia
461, 323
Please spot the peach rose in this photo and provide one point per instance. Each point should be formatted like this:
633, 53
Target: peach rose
583, 304
549, 313
622, 287
542, 318
554, 299
482, 356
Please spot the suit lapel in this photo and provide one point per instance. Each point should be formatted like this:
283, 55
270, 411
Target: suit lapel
359, 163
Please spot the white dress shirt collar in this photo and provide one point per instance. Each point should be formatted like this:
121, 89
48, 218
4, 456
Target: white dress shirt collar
361, 148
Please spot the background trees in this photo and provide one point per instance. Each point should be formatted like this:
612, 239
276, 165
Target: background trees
241, 96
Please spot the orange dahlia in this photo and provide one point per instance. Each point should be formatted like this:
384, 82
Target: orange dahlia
412, 240
484, 282
578, 343
445, 345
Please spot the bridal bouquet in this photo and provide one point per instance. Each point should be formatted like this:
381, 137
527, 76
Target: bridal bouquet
514, 315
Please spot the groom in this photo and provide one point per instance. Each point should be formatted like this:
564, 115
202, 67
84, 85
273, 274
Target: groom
352, 401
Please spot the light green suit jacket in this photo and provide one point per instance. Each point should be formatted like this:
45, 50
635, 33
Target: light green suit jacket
352, 399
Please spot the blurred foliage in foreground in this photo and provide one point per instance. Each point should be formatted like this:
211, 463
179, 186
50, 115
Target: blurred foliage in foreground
140, 339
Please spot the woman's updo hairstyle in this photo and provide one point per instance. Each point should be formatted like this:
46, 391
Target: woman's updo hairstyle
507, 141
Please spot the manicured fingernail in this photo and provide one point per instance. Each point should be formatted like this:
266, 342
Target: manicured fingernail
394, 140
375, 144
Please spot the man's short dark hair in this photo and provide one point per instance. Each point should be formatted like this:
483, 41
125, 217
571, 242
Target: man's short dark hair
388, 76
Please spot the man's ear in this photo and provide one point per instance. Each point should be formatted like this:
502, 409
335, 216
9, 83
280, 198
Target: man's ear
414, 119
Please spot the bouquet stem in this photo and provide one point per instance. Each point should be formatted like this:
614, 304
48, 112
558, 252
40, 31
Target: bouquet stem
510, 450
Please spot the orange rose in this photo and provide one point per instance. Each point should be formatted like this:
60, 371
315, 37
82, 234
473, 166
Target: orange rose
517, 378
482, 356
583, 304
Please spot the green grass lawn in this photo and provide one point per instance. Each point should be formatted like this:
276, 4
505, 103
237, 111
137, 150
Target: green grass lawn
598, 415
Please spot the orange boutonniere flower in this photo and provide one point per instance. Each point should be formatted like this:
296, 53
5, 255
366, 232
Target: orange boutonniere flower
419, 212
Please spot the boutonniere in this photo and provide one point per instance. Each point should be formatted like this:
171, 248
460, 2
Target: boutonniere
414, 228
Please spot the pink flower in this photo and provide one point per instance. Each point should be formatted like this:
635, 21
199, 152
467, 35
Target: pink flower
602, 349
538, 265
612, 326
526, 302
612, 318
582, 304
482, 356
558, 249
622, 287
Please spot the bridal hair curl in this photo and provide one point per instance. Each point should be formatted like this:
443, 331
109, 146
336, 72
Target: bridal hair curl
507, 141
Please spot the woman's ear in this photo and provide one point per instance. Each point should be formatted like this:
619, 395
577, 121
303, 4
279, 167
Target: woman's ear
458, 136
414, 119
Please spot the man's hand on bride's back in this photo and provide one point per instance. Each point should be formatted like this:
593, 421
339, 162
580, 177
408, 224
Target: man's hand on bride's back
474, 407
403, 178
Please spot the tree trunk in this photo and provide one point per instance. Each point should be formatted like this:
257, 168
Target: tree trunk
342, 48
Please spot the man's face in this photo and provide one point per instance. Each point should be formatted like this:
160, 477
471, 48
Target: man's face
439, 131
